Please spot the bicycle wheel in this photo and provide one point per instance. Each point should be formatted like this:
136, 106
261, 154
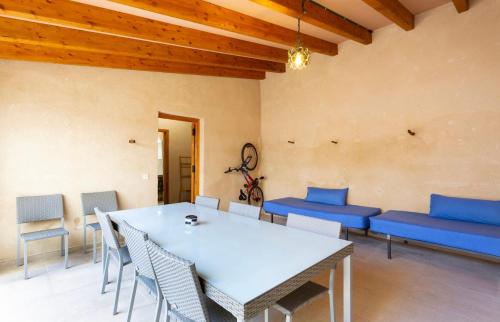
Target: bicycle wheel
249, 156
256, 196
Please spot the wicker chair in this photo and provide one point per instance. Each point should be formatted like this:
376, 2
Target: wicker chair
179, 283
136, 243
244, 210
115, 251
309, 291
40, 208
105, 201
208, 202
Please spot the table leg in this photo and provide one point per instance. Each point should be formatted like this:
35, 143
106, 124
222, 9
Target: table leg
347, 289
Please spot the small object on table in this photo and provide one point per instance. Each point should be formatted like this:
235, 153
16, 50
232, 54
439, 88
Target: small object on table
191, 220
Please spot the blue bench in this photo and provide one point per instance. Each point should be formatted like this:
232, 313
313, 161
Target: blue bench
466, 224
350, 216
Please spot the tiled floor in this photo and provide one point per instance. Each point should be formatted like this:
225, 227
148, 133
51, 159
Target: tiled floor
416, 285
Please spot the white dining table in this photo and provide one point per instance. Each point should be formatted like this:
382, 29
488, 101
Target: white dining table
245, 265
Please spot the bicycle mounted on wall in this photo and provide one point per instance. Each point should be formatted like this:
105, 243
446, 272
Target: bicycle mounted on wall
251, 191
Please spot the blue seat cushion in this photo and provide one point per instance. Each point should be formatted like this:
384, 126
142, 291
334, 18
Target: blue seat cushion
336, 197
474, 210
349, 216
474, 237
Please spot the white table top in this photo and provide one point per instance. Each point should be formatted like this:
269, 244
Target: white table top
241, 257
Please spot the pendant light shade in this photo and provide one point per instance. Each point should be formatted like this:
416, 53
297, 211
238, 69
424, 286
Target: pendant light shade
299, 56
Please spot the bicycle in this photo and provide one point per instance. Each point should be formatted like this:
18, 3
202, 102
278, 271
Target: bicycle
251, 191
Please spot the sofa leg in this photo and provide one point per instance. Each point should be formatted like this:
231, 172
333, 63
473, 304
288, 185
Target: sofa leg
366, 232
389, 252
346, 233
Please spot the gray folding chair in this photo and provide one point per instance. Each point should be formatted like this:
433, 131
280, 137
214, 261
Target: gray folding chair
244, 210
115, 251
105, 201
208, 202
179, 283
136, 243
40, 208
309, 291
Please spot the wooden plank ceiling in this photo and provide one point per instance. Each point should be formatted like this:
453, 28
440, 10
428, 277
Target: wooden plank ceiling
218, 42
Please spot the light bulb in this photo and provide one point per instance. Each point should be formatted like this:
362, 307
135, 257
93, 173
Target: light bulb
298, 59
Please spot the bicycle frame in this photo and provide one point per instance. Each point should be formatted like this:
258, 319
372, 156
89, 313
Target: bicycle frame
250, 182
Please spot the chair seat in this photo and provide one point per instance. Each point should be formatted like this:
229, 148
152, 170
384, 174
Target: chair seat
94, 226
300, 297
124, 254
43, 234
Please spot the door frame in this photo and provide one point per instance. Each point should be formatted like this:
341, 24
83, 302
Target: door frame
166, 173
195, 149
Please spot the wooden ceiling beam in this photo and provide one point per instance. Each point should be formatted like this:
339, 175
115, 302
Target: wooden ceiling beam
40, 53
212, 15
461, 5
320, 17
26, 32
77, 15
394, 11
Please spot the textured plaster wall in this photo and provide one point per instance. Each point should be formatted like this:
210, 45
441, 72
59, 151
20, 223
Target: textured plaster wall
65, 129
441, 80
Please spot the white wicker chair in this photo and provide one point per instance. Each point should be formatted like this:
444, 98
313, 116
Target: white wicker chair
208, 202
244, 210
40, 208
106, 201
136, 243
309, 291
115, 251
179, 283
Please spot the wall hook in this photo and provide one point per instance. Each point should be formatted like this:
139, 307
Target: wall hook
411, 133
132, 141
291, 142
334, 142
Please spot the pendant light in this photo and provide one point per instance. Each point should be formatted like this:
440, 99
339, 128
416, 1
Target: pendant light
299, 56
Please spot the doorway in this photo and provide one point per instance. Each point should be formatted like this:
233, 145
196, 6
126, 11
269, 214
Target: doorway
178, 158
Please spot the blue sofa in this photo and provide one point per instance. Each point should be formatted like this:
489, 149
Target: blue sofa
466, 224
325, 206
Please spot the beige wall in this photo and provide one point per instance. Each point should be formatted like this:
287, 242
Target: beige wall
441, 80
180, 138
65, 129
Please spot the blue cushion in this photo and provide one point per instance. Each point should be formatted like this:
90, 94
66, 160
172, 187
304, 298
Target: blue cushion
337, 197
349, 216
474, 210
464, 235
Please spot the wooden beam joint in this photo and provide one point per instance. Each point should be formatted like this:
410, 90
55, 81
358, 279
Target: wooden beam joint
461, 5
320, 17
394, 11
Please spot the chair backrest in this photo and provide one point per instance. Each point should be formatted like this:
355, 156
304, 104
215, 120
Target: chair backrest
209, 202
136, 243
107, 229
105, 200
39, 208
244, 210
179, 284
315, 225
